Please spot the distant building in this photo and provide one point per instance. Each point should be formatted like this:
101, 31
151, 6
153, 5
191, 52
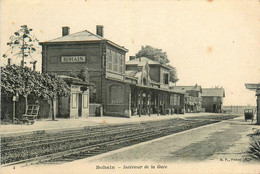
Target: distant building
193, 100
236, 109
212, 99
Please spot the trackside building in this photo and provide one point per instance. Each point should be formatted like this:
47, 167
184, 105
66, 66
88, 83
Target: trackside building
212, 99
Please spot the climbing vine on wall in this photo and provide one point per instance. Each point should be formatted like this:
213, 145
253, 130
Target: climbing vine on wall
17, 80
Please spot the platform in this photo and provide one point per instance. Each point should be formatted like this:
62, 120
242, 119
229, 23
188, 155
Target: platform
77, 123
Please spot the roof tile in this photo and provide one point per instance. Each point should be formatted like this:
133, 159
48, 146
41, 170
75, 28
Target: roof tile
79, 36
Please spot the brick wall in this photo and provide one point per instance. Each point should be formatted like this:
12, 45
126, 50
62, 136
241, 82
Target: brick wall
52, 58
208, 102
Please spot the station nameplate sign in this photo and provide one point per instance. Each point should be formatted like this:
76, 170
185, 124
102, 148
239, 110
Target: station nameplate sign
69, 59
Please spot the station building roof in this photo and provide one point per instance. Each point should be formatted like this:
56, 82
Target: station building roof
82, 36
141, 61
187, 88
75, 80
252, 86
213, 92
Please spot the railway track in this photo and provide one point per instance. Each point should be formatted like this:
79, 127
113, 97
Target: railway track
71, 145
23, 140
10, 141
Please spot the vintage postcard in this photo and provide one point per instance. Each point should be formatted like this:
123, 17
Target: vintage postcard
130, 86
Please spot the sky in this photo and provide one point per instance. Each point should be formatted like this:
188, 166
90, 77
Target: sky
211, 43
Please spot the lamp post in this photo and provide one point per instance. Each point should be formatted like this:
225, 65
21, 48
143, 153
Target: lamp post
15, 98
148, 104
9, 61
143, 103
139, 104
22, 63
34, 64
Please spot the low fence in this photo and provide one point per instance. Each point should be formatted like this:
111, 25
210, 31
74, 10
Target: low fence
7, 107
236, 109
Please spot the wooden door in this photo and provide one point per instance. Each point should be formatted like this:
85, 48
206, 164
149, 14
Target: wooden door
80, 105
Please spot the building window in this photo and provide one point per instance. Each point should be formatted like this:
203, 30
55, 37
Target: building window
115, 61
109, 59
214, 99
171, 99
176, 99
166, 79
116, 94
121, 63
85, 100
144, 81
74, 100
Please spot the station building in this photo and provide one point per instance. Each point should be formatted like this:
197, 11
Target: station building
212, 99
193, 99
139, 86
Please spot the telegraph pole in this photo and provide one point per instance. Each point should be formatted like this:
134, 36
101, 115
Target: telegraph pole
22, 63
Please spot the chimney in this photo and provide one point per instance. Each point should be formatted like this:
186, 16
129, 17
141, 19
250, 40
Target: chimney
100, 31
131, 57
65, 31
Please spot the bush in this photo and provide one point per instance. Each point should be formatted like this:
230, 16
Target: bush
254, 150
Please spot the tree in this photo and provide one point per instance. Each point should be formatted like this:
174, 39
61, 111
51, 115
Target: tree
83, 74
159, 56
153, 53
51, 88
173, 74
22, 44
17, 80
